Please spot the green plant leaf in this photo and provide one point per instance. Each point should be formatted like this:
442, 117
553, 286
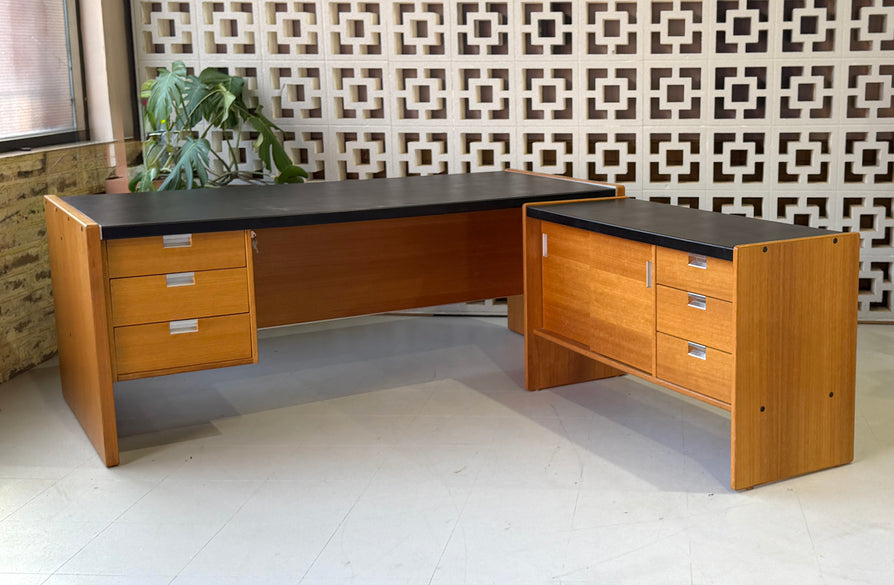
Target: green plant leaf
165, 99
197, 93
235, 85
180, 110
191, 169
143, 180
292, 174
155, 153
145, 93
223, 115
211, 76
269, 148
224, 91
214, 103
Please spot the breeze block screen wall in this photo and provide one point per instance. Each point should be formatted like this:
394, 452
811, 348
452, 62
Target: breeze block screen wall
781, 109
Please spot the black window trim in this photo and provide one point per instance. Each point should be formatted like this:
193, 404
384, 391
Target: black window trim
78, 90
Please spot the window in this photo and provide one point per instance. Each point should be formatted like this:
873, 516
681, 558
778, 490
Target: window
41, 98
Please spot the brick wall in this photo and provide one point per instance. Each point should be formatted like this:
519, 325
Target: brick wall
27, 329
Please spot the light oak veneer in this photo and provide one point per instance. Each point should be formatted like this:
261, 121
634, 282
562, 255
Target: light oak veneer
775, 343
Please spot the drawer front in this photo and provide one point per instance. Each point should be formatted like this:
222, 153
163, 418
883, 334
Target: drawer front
708, 276
182, 253
181, 295
711, 376
695, 317
145, 348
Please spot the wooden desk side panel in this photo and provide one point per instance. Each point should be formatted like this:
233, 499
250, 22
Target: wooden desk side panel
79, 295
515, 313
795, 358
549, 364
310, 273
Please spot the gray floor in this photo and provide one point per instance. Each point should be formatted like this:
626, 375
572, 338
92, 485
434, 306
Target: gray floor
403, 450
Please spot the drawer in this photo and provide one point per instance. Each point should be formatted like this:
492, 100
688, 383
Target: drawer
700, 274
711, 376
181, 253
181, 295
698, 318
145, 348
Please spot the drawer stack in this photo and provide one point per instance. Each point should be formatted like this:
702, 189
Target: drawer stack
695, 322
180, 303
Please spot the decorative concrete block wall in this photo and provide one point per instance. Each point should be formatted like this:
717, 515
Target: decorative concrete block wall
775, 109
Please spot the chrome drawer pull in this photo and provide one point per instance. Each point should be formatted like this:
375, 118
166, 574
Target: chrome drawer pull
648, 274
697, 301
184, 326
698, 351
180, 279
177, 241
544, 247
698, 261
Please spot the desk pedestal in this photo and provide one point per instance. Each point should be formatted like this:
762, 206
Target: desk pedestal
293, 275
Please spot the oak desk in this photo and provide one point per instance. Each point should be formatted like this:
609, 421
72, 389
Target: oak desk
756, 317
159, 283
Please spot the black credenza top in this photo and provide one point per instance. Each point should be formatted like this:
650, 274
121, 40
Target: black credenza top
670, 226
262, 206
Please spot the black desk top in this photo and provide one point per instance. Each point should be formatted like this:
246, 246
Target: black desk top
669, 226
264, 206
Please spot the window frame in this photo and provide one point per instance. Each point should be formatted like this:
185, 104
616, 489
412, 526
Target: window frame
78, 92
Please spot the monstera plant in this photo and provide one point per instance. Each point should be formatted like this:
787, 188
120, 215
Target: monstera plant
181, 110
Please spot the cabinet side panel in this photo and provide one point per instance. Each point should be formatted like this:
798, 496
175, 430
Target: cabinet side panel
79, 295
793, 402
515, 313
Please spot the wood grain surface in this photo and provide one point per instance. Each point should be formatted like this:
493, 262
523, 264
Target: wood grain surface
79, 295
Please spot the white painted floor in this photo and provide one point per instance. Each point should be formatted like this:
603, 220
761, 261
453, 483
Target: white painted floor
404, 451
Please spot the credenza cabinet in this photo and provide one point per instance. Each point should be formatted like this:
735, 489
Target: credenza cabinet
754, 317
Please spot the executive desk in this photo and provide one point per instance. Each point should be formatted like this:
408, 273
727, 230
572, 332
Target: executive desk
151, 284
755, 317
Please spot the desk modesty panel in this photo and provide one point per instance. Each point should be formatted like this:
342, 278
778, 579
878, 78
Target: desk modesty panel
151, 284
756, 317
